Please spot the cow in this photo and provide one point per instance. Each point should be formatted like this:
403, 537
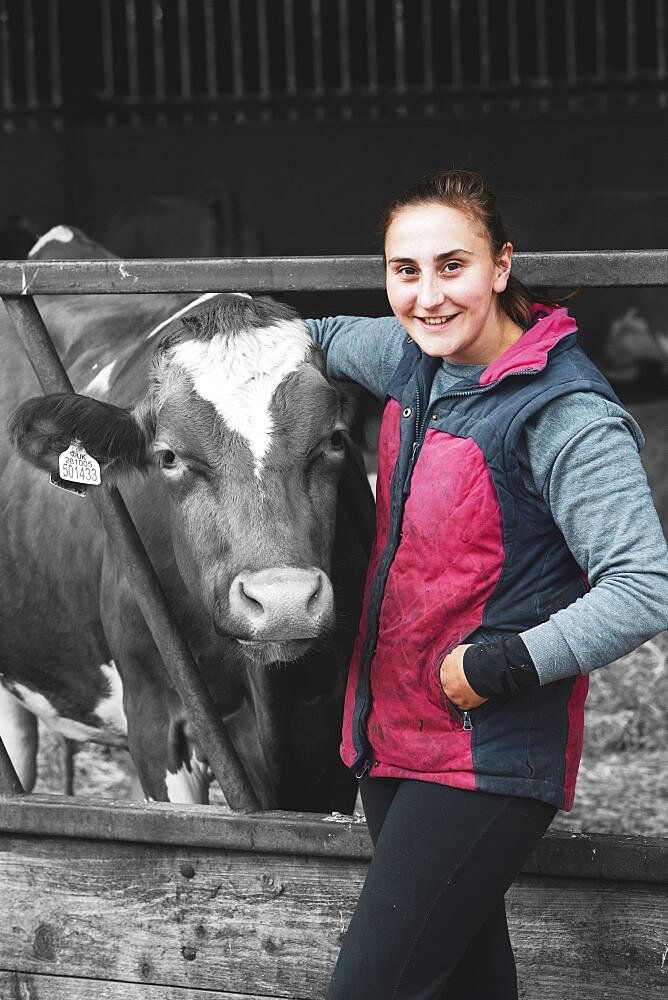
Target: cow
234, 454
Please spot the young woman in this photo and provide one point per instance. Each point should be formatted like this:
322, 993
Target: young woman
517, 549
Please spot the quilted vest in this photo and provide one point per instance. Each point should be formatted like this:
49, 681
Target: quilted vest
464, 553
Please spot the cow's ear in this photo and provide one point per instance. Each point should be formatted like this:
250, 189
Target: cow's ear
43, 427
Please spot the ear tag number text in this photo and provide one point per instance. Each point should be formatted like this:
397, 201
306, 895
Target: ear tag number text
76, 466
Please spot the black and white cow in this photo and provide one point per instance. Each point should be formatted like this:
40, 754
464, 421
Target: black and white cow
233, 452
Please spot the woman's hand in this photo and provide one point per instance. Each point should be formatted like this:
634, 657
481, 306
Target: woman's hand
454, 683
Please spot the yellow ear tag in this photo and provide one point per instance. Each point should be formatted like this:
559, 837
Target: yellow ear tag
76, 466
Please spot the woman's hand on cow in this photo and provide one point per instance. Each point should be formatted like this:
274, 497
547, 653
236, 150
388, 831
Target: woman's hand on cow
454, 683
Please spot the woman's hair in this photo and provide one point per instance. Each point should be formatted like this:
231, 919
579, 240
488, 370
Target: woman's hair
469, 193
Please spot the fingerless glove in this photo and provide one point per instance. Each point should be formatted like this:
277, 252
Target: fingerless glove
501, 668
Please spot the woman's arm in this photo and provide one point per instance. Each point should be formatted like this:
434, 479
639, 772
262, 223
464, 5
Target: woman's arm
585, 462
581, 455
367, 351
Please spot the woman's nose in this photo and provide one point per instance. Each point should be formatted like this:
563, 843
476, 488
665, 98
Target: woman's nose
430, 294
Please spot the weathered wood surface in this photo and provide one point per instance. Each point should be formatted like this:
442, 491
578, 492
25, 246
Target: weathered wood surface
556, 269
599, 856
26, 986
231, 913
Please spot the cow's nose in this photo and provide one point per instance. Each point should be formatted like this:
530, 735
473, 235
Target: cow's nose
284, 602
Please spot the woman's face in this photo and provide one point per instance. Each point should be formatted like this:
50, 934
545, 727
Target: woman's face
443, 284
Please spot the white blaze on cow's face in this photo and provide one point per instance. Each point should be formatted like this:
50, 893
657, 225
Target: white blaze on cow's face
239, 374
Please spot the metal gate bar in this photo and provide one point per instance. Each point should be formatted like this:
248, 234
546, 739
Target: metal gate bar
560, 270
182, 669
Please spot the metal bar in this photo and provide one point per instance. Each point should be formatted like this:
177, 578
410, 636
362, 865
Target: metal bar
345, 82
318, 61
158, 36
595, 269
513, 46
236, 41
631, 40
29, 51
107, 50
427, 46
457, 77
133, 57
660, 22
571, 43
541, 44
485, 60
400, 46
107, 42
185, 80
141, 576
371, 47
9, 779
264, 54
210, 55
290, 50
5, 59
601, 40
54, 57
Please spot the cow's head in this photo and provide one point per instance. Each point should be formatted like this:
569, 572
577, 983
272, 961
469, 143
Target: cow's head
250, 439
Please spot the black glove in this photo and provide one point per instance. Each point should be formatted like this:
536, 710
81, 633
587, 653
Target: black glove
501, 668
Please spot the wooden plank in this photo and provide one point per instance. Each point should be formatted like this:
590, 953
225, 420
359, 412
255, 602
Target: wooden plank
26, 986
171, 916
271, 925
594, 856
595, 269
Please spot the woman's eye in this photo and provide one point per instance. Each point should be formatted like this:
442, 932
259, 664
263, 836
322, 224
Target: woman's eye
452, 266
408, 271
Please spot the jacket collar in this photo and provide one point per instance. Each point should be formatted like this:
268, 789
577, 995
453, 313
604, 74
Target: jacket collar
529, 353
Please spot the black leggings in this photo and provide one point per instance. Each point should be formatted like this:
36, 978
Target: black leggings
430, 923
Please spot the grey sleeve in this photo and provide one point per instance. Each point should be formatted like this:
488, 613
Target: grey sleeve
367, 351
583, 454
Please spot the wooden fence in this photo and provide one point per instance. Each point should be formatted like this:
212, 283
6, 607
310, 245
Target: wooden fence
159, 902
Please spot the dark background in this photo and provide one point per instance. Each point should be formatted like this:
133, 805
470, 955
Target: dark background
242, 127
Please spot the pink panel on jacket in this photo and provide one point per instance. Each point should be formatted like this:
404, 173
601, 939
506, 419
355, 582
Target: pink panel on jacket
443, 574
576, 704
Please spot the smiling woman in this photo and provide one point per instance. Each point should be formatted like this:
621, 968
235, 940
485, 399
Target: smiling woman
513, 556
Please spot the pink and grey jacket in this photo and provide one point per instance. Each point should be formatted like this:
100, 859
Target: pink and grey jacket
463, 553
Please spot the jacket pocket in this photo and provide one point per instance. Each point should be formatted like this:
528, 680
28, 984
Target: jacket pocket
432, 681
460, 718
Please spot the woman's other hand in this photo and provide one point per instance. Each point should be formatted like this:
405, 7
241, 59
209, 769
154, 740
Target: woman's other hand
454, 683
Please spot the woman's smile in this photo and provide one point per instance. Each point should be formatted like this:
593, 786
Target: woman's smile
437, 321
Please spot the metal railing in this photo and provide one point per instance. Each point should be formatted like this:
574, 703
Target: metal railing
160, 61
21, 280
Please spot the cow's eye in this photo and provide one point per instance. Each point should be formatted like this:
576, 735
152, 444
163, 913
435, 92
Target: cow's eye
337, 441
167, 459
